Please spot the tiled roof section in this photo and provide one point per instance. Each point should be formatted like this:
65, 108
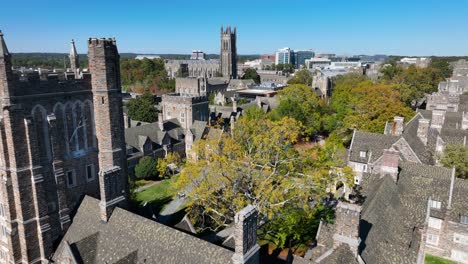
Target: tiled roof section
454, 136
129, 238
171, 127
394, 212
371, 143
341, 254
198, 129
463, 106
410, 134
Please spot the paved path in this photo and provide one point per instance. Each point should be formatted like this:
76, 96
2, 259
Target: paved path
144, 187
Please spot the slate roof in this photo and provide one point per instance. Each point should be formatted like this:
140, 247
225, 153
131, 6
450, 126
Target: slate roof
393, 213
172, 127
198, 129
129, 238
341, 254
372, 143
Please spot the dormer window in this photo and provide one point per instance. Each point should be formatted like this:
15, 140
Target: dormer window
435, 204
363, 154
464, 219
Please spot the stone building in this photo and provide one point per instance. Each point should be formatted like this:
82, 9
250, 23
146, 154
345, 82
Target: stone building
420, 140
61, 135
228, 54
129, 238
193, 68
410, 210
201, 86
186, 108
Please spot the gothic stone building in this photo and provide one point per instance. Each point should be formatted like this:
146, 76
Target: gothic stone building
228, 54
61, 137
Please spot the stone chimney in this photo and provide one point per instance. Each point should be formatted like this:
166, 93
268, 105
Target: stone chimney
464, 124
423, 130
245, 237
452, 183
347, 221
161, 121
234, 105
438, 119
390, 160
232, 123
398, 123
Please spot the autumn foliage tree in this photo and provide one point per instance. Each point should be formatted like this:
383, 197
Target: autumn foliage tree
258, 165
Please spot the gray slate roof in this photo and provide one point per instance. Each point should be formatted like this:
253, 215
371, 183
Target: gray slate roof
129, 238
371, 143
393, 213
172, 127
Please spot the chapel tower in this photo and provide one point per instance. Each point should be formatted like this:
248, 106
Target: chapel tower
228, 55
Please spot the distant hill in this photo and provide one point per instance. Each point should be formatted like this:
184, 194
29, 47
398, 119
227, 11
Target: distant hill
60, 60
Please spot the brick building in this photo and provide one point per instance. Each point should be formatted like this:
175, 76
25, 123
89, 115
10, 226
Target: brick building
60, 136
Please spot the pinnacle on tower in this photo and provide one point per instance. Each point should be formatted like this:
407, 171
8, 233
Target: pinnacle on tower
222, 30
3, 47
74, 61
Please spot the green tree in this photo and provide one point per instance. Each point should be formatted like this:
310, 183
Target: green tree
301, 103
146, 169
166, 166
251, 74
303, 76
142, 108
456, 156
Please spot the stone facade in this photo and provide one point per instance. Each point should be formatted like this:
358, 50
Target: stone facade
185, 108
193, 68
51, 148
228, 54
245, 237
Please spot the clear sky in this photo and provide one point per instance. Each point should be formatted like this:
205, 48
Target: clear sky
404, 27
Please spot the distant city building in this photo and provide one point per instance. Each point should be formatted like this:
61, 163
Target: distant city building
419, 62
197, 55
283, 56
300, 56
268, 57
258, 64
325, 55
150, 57
314, 63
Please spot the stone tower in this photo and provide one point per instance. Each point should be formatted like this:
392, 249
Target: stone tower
245, 237
347, 223
74, 59
107, 99
228, 55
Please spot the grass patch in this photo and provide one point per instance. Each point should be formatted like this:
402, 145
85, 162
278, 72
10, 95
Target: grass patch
155, 197
140, 183
430, 259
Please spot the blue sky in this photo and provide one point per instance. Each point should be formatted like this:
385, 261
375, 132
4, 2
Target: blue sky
405, 27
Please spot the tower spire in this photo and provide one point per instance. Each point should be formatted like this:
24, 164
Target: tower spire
6, 73
3, 47
74, 59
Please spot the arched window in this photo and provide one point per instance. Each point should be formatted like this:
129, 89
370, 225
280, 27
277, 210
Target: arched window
42, 132
79, 125
59, 111
70, 128
89, 124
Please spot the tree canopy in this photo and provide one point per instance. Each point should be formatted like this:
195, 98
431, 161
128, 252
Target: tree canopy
251, 74
146, 169
145, 76
300, 102
258, 165
456, 156
303, 76
142, 108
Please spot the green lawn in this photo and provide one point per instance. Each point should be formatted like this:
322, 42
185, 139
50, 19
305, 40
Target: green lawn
436, 260
156, 196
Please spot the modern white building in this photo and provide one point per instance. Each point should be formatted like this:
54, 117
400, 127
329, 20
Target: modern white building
283, 56
314, 63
